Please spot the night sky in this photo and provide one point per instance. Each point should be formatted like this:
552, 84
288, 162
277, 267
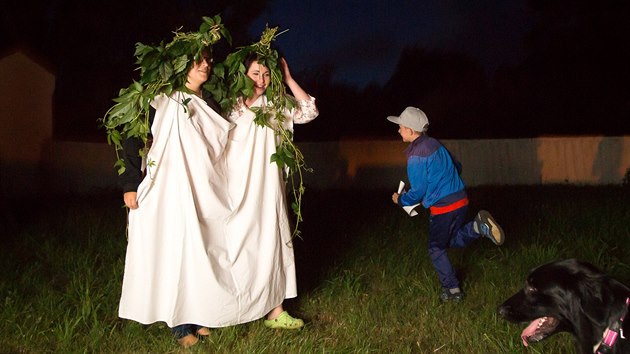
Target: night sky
479, 69
364, 39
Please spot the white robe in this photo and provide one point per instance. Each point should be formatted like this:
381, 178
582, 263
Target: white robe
198, 252
177, 269
259, 223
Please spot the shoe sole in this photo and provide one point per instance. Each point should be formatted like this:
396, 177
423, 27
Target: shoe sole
486, 218
452, 299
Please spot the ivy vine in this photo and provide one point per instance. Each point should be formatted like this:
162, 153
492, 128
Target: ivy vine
230, 82
163, 69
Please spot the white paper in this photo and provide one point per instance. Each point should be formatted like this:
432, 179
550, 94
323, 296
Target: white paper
409, 209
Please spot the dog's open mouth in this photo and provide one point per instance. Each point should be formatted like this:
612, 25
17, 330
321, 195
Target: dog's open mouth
538, 329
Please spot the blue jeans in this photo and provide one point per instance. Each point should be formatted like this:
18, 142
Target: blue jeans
448, 231
182, 331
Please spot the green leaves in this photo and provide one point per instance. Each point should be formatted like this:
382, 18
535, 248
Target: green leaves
166, 70
231, 78
163, 69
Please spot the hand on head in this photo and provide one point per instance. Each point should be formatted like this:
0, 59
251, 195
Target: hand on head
286, 74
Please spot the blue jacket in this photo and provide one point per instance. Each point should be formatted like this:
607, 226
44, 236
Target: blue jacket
433, 175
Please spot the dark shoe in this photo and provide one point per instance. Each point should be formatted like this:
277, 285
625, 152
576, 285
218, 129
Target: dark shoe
447, 296
489, 228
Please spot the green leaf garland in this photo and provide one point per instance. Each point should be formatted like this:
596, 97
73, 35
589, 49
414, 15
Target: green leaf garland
230, 83
163, 69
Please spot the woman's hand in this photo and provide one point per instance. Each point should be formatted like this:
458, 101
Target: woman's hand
395, 198
286, 74
130, 199
296, 90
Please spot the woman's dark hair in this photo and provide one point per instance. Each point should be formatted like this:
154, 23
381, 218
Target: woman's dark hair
206, 53
252, 56
249, 59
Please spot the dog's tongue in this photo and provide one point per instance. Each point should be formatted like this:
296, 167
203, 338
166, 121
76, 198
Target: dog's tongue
530, 330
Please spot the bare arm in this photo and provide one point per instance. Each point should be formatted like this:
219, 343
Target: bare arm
296, 90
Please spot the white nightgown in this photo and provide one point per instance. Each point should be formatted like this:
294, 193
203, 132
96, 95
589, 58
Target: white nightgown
259, 224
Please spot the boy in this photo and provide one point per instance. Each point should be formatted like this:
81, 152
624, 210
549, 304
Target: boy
435, 181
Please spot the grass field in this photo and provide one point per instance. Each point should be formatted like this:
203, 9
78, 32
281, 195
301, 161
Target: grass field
365, 280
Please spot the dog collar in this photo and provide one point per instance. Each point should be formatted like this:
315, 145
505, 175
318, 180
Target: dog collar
613, 332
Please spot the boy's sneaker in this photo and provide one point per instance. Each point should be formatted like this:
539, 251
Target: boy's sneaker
455, 295
488, 227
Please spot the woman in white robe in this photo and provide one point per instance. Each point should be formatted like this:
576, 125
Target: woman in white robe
175, 267
258, 227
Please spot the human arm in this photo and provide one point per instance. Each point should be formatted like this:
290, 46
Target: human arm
417, 172
395, 198
295, 88
131, 178
306, 109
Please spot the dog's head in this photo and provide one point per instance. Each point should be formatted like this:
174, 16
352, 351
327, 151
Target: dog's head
560, 296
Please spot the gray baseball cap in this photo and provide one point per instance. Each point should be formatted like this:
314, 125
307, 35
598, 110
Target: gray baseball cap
413, 118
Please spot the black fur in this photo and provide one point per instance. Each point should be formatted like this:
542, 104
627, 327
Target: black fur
574, 297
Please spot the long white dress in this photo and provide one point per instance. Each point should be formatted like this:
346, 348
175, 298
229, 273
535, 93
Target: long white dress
199, 252
259, 224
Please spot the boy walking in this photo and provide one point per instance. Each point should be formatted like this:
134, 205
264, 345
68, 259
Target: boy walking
435, 181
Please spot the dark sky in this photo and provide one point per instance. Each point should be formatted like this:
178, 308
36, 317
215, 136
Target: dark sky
482, 69
364, 38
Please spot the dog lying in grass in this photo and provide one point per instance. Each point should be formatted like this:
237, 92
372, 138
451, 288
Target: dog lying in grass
575, 297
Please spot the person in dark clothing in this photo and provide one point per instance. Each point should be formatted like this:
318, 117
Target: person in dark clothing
435, 182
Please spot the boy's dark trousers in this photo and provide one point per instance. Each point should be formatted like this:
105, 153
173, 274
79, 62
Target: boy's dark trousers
448, 231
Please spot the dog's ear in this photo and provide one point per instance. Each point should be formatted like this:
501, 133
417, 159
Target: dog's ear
591, 287
591, 300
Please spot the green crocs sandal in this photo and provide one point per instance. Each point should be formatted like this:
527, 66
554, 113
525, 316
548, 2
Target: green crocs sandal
285, 321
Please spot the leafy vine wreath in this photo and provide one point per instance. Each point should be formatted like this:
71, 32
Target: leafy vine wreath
163, 69
229, 82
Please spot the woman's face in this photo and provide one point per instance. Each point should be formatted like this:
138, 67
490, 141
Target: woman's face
260, 75
200, 71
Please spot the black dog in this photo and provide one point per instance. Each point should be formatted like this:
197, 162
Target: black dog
575, 297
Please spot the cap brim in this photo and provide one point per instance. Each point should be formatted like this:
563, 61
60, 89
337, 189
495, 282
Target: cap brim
394, 119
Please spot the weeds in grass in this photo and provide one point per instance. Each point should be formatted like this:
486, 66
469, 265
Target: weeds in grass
368, 285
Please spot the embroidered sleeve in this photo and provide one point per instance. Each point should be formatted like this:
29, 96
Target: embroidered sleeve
305, 111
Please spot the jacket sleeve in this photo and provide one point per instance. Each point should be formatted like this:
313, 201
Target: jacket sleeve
417, 173
131, 178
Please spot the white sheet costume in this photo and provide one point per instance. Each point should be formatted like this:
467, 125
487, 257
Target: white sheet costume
198, 252
260, 221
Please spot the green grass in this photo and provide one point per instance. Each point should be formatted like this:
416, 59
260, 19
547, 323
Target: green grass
366, 283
